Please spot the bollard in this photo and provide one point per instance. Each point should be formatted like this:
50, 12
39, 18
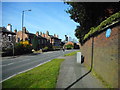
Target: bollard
80, 58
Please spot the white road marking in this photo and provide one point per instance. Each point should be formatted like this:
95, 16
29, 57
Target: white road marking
24, 71
8, 64
15, 62
25, 60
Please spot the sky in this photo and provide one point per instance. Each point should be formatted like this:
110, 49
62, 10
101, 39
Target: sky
45, 16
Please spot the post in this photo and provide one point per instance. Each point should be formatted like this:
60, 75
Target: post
13, 45
22, 24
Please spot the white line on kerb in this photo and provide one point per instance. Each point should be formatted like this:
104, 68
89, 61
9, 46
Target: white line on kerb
24, 71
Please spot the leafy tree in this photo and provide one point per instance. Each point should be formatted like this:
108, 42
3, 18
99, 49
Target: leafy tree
90, 14
35, 43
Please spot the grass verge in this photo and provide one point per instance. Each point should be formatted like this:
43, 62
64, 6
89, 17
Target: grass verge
44, 76
72, 53
94, 73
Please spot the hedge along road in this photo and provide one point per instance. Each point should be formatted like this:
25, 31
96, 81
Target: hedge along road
14, 66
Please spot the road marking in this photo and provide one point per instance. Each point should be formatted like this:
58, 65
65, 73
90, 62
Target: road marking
16, 62
24, 71
8, 64
25, 60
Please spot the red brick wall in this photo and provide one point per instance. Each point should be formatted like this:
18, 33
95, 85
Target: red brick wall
105, 55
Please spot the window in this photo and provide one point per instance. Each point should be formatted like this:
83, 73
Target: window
18, 39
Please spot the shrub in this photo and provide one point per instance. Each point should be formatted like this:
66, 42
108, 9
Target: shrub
69, 46
22, 49
103, 24
45, 48
19, 49
35, 43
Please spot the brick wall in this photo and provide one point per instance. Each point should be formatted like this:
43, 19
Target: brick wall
105, 55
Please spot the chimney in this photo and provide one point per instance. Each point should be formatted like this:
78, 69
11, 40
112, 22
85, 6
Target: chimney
37, 33
9, 27
41, 33
54, 35
15, 31
57, 36
24, 29
47, 33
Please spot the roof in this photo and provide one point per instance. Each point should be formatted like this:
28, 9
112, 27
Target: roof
41, 37
4, 30
30, 33
54, 37
110, 21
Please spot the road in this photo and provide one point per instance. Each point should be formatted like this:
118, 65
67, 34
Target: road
12, 66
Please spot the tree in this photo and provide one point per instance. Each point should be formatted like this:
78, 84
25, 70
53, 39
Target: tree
89, 14
35, 43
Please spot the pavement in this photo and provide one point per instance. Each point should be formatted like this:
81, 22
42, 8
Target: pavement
70, 71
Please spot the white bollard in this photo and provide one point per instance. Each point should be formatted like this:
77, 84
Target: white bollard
78, 57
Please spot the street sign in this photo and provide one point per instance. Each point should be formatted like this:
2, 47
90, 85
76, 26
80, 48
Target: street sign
108, 32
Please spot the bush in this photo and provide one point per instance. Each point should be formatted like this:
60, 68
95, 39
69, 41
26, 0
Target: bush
35, 43
45, 48
19, 49
56, 47
69, 46
22, 49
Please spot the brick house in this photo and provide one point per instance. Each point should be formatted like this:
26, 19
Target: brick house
29, 36
54, 40
75, 45
42, 41
25, 35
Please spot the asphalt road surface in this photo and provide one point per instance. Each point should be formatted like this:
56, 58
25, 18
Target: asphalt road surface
12, 66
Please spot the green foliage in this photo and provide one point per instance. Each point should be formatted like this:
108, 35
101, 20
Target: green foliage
35, 43
103, 24
69, 46
90, 15
44, 76
19, 49
22, 49
56, 47
45, 48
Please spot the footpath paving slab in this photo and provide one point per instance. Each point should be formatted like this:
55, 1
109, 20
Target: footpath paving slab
70, 71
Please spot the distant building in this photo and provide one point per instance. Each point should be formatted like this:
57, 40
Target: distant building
54, 40
75, 45
70, 42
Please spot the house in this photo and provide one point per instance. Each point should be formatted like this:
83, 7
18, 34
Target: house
25, 35
75, 45
42, 41
7, 38
54, 40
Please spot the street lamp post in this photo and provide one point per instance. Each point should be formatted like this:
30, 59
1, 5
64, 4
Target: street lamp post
23, 21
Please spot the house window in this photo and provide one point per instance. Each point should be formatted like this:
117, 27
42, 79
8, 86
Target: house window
18, 39
9, 38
